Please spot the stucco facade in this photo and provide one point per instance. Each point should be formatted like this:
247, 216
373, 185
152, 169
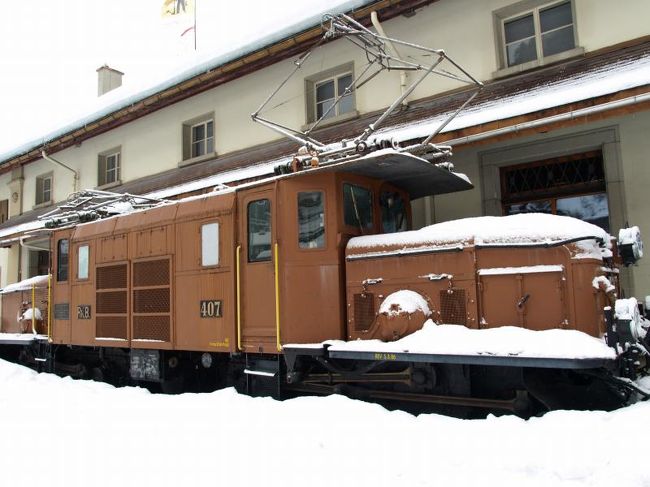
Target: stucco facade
468, 31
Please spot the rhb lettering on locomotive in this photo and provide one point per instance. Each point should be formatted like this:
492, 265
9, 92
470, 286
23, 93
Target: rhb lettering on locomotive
83, 312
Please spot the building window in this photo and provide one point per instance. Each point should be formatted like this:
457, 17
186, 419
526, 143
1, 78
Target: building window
109, 168
198, 137
39, 262
259, 231
44, 189
571, 186
532, 35
82, 262
210, 244
311, 220
324, 89
393, 212
357, 207
62, 247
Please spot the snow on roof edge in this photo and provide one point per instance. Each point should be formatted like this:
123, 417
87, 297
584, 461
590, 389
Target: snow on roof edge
199, 68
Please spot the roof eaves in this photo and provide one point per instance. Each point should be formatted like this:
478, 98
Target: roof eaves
201, 77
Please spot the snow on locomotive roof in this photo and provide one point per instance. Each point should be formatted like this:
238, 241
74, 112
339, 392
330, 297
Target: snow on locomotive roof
505, 341
25, 285
529, 228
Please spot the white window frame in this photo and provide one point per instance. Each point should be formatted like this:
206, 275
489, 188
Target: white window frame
523, 9
311, 102
83, 261
115, 170
210, 244
335, 80
40, 199
203, 141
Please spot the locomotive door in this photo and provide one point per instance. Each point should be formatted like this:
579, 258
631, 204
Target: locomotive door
257, 280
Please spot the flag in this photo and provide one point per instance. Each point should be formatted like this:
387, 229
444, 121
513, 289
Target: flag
177, 8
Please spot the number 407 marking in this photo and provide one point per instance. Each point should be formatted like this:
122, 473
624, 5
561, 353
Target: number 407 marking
210, 309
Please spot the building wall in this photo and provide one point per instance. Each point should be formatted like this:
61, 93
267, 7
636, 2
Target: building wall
625, 145
465, 29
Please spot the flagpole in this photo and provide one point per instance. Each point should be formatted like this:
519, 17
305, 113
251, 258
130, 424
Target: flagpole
195, 6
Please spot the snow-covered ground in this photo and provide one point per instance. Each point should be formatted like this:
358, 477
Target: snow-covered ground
60, 432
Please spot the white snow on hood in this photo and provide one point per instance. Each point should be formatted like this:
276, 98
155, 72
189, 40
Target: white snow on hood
514, 229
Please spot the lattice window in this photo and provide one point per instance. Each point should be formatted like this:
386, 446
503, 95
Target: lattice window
571, 185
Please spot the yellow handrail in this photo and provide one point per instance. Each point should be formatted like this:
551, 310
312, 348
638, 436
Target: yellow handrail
239, 347
49, 307
277, 301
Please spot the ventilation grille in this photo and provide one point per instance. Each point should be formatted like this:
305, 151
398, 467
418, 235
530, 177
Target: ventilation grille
111, 277
364, 311
151, 328
111, 320
111, 302
151, 300
111, 327
452, 307
151, 273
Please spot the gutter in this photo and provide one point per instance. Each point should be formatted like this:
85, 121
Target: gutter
75, 183
571, 115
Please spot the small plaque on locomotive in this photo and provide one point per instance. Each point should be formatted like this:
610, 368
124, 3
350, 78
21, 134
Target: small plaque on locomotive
210, 309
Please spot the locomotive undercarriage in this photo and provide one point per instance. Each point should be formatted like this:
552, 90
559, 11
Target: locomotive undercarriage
458, 389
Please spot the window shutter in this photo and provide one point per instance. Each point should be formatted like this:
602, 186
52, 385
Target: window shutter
4, 211
187, 142
39, 191
101, 171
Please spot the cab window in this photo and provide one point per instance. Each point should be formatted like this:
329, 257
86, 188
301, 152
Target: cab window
62, 259
259, 231
82, 262
393, 212
357, 207
311, 220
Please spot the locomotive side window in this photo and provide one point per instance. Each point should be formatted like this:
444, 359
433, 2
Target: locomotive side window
82, 267
393, 212
259, 231
62, 247
209, 244
357, 207
311, 220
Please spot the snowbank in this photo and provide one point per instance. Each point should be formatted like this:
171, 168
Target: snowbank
505, 341
101, 436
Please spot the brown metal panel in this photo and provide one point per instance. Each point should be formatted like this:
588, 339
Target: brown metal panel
61, 292
82, 295
112, 248
94, 229
196, 284
311, 279
257, 286
151, 241
11, 309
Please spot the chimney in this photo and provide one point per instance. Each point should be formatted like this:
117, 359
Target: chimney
108, 79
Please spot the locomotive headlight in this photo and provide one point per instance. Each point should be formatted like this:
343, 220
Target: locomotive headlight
206, 360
